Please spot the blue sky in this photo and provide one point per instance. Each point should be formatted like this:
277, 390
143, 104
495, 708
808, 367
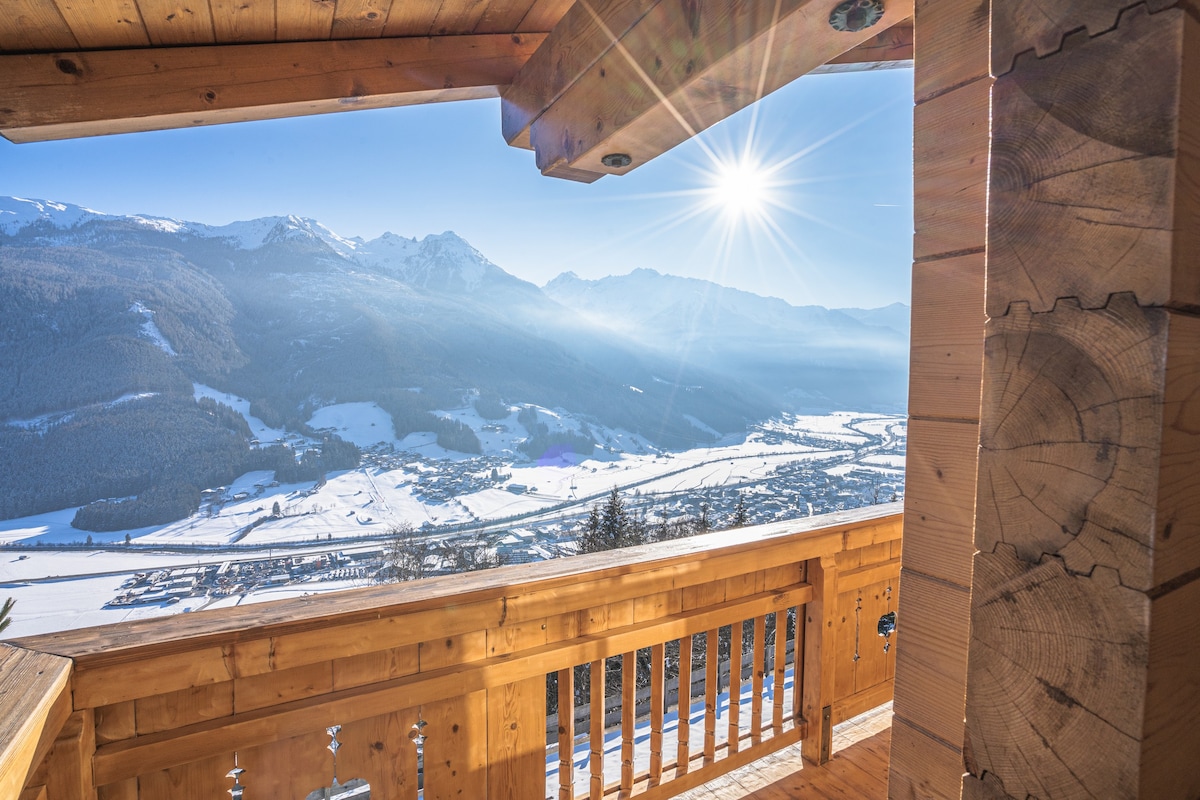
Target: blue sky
839, 230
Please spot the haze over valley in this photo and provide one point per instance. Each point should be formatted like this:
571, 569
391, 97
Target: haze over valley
271, 398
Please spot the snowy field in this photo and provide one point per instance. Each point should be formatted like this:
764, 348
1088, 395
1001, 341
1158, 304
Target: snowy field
64, 588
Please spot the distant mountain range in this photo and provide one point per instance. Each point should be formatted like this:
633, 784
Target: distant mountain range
285, 312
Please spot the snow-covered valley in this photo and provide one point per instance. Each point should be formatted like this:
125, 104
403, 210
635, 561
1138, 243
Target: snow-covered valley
287, 540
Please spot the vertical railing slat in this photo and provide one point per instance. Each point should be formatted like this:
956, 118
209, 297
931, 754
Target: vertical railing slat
736, 632
596, 731
798, 664
757, 668
657, 701
628, 721
712, 660
780, 670
683, 732
566, 734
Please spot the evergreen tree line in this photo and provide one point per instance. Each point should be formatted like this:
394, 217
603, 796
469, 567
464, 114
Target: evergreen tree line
542, 443
173, 443
611, 525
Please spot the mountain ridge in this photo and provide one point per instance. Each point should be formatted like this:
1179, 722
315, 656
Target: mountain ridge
294, 317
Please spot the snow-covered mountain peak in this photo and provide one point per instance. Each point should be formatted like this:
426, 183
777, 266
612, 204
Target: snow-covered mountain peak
442, 261
19, 212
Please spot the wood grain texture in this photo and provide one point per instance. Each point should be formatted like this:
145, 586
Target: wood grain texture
940, 479
49, 96
891, 47
1169, 734
596, 730
819, 656
946, 343
1069, 441
1033, 25
243, 21
758, 669
34, 25
682, 68
921, 766
1177, 513
105, 23
303, 20
120, 760
683, 735
175, 22
1086, 171
30, 713
586, 32
359, 19
456, 750
657, 709
931, 666
1056, 691
516, 740
950, 172
177, 709
950, 45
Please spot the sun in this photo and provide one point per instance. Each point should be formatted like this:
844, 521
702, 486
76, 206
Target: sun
740, 188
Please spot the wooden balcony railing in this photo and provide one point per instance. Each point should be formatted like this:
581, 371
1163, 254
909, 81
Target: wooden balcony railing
158, 708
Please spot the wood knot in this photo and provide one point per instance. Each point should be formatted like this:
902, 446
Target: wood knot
67, 66
210, 96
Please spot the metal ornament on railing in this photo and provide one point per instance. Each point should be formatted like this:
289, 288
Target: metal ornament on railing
357, 788
887, 624
237, 790
857, 615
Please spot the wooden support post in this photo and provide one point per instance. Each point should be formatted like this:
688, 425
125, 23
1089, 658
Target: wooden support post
950, 168
67, 769
1081, 667
818, 659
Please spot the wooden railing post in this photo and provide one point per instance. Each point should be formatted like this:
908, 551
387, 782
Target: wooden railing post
818, 665
66, 772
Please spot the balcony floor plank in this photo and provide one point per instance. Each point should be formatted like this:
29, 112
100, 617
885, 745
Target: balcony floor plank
858, 768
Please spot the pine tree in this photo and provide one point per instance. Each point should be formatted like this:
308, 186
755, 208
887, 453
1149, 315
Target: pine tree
6, 614
589, 538
614, 523
740, 517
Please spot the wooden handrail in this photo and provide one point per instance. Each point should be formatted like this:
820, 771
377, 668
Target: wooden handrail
35, 701
165, 702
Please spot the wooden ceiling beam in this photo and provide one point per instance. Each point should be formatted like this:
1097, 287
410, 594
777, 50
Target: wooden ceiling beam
579, 41
889, 49
64, 95
638, 78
